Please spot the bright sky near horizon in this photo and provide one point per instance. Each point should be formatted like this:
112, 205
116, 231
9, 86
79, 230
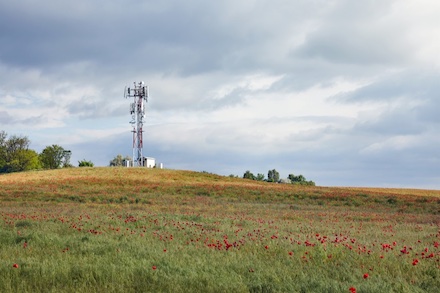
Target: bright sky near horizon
345, 92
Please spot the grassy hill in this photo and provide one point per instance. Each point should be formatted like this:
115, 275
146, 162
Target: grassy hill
153, 230
140, 185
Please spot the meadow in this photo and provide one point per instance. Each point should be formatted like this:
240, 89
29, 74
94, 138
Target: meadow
153, 230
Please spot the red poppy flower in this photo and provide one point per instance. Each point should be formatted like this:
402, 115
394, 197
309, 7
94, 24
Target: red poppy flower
352, 289
15, 266
154, 267
366, 275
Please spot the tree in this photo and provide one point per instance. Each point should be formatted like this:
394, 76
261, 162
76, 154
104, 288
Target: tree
119, 161
15, 155
260, 177
52, 157
273, 176
248, 175
85, 163
24, 160
16, 143
32, 160
66, 159
3, 136
3, 139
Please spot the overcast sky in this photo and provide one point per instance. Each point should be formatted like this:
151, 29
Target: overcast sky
345, 92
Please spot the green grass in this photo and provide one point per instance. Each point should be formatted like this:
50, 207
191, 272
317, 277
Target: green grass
104, 229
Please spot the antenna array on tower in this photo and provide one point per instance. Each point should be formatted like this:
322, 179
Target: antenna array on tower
139, 93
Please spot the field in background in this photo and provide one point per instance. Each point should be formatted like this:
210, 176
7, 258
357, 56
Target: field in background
132, 229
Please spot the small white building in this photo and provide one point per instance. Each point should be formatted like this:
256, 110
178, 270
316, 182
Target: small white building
149, 162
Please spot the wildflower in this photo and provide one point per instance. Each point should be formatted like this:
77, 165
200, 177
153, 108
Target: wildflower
154, 268
366, 275
15, 266
352, 289
404, 250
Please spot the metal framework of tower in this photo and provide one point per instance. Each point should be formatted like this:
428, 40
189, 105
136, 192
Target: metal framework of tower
139, 93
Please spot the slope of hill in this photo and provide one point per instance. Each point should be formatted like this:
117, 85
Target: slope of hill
139, 185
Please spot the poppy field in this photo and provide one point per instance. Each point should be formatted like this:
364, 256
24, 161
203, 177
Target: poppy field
153, 230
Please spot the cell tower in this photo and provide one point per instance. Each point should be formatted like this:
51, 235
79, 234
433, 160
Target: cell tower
139, 92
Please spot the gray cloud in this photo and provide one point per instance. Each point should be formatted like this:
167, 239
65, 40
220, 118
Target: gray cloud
412, 84
392, 122
5, 118
357, 33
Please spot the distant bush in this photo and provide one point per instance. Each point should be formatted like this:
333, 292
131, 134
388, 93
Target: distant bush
248, 175
119, 161
85, 163
300, 180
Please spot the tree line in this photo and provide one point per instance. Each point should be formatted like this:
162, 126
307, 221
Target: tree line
274, 176
16, 156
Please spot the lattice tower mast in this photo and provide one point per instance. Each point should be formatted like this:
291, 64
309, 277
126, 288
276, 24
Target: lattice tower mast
139, 92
